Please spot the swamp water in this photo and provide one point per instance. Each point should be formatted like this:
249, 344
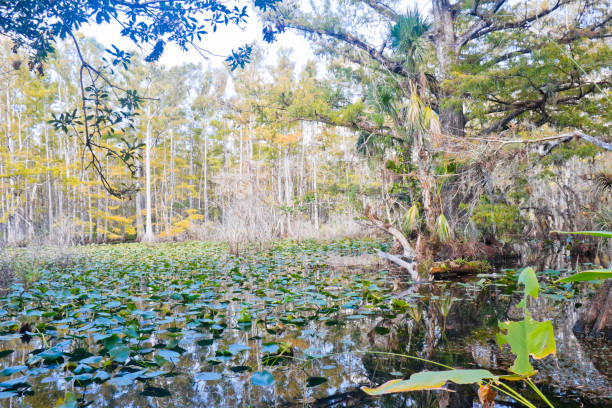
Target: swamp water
188, 325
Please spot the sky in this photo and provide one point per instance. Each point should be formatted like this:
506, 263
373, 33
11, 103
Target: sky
221, 43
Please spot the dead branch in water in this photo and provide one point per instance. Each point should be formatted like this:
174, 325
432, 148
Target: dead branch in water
408, 252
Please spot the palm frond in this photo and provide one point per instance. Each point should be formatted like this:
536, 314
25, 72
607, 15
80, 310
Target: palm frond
411, 219
443, 228
407, 36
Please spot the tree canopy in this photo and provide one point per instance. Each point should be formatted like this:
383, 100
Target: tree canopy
107, 108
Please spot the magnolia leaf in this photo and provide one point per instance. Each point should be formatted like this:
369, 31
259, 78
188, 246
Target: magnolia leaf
527, 338
602, 234
590, 275
430, 380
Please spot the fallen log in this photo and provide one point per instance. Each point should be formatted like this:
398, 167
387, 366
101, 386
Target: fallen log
459, 267
410, 266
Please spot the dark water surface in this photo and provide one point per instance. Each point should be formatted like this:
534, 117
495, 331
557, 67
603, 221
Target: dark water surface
187, 325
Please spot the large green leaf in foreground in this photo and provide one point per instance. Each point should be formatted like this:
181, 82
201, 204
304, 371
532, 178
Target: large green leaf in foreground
430, 380
602, 234
527, 337
591, 275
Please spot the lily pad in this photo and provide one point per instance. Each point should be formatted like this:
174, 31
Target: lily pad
262, 378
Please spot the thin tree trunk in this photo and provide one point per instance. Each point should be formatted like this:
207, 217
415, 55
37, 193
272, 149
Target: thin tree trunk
205, 175
148, 235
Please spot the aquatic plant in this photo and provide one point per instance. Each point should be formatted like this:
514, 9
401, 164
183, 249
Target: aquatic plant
591, 274
526, 338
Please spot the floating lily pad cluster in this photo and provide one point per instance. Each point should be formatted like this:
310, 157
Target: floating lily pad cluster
142, 316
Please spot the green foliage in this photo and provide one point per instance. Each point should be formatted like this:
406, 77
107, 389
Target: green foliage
591, 275
36, 24
566, 151
407, 37
443, 228
601, 234
140, 304
411, 219
497, 219
431, 380
527, 337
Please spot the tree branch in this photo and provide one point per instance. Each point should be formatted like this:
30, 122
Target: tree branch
383, 9
391, 65
486, 24
562, 138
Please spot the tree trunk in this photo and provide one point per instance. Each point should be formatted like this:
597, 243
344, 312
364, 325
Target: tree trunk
597, 318
451, 116
148, 236
205, 175
138, 198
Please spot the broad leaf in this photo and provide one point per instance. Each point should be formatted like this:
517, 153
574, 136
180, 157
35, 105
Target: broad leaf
314, 381
12, 370
530, 280
207, 376
591, 275
155, 392
430, 380
527, 338
237, 348
120, 353
262, 378
602, 234
169, 355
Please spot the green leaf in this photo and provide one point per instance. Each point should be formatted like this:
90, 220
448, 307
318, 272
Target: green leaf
527, 338
381, 330
240, 369
602, 234
120, 353
262, 378
207, 376
12, 370
530, 280
430, 380
237, 348
590, 275
314, 381
155, 392
169, 355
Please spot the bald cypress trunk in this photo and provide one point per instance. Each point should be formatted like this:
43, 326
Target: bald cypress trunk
596, 320
451, 115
